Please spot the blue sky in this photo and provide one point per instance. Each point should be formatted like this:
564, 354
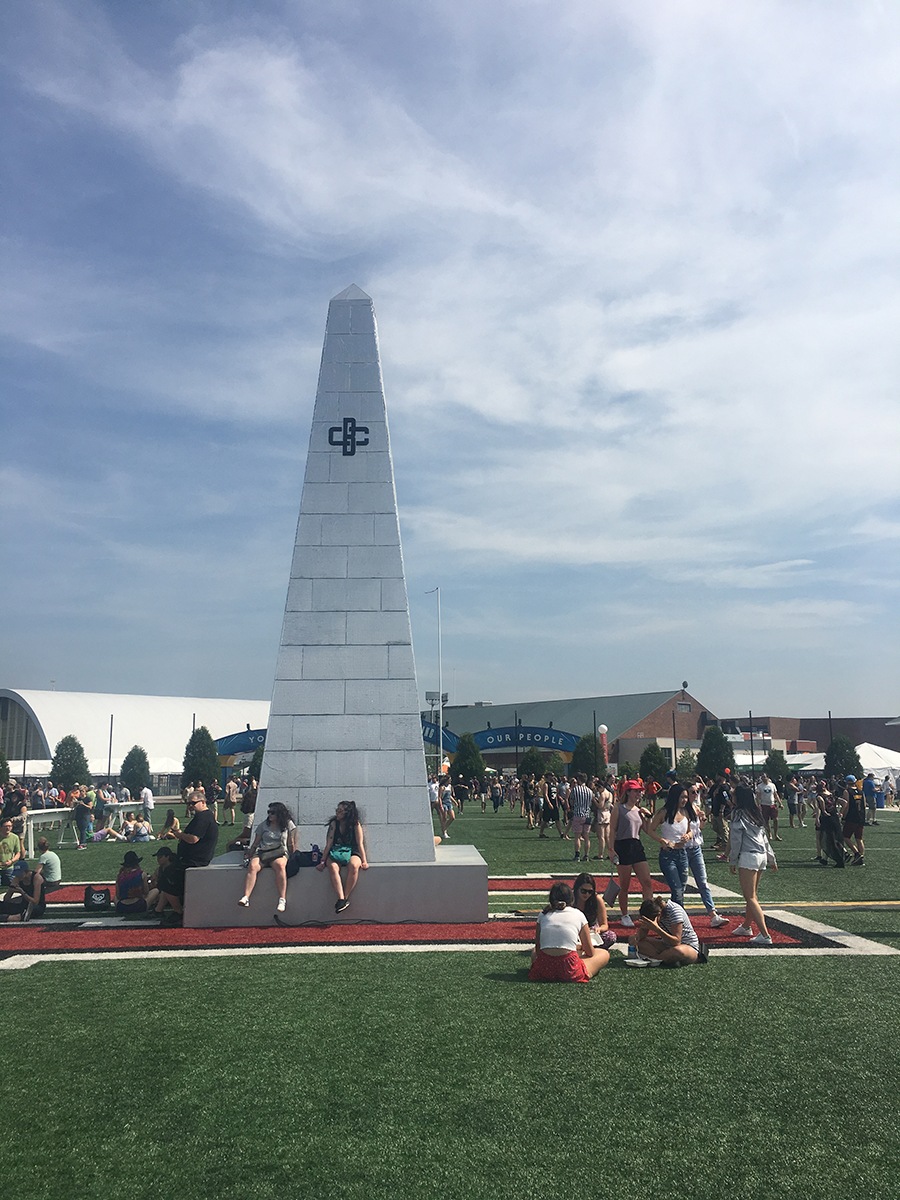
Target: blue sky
635, 267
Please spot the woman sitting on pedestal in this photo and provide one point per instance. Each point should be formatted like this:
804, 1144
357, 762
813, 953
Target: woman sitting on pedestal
273, 841
344, 846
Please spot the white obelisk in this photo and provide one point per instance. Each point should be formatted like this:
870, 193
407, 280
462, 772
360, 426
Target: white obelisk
344, 721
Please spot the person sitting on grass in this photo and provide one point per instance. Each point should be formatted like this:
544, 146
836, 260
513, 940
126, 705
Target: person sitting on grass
51, 867
143, 829
26, 899
665, 934
345, 845
274, 840
170, 827
131, 886
169, 886
563, 949
589, 901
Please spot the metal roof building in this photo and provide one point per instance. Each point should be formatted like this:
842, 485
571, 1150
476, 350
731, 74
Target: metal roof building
108, 725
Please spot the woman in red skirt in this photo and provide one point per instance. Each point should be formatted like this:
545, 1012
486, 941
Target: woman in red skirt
563, 951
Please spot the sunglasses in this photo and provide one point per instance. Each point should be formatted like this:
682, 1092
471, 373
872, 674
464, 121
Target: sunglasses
586, 891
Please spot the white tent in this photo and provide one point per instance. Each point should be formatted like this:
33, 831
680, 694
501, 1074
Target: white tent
879, 760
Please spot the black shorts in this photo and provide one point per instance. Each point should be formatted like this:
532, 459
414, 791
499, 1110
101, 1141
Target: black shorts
630, 851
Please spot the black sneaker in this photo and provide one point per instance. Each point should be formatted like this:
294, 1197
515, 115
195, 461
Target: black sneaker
859, 862
341, 905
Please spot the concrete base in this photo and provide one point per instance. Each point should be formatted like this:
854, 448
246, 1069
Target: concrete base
452, 890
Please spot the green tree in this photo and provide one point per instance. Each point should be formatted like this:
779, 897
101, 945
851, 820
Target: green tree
588, 756
4, 769
716, 753
135, 772
201, 760
256, 763
653, 764
841, 759
776, 768
69, 765
686, 767
555, 764
629, 770
532, 762
467, 761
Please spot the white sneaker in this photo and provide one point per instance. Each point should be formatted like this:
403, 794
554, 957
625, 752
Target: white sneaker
718, 921
244, 902
627, 922
742, 931
761, 940
281, 903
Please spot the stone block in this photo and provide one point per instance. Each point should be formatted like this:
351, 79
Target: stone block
379, 696
400, 662
354, 529
299, 597
357, 732
334, 377
377, 629
308, 697
400, 731
336, 595
362, 319
290, 663
414, 767
326, 498
359, 768
393, 596
318, 467
407, 805
345, 662
370, 498
309, 530
280, 734
314, 629
319, 562
288, 769
387, 530
365, 377
374, 562
338, 322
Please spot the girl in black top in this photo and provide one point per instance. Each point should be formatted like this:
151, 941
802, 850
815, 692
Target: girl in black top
345, 845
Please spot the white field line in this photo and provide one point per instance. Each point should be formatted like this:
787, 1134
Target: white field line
845, 944
21, 961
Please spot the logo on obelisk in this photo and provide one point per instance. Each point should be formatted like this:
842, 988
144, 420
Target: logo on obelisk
348, 436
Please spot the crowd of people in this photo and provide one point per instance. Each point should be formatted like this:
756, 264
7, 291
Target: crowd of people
604, 818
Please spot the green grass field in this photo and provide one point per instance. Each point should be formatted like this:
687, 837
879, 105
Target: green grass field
383, 1075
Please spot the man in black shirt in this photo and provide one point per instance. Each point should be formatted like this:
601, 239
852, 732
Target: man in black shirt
197, 841
196, 847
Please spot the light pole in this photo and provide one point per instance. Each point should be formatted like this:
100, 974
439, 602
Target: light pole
603, 730
440, 697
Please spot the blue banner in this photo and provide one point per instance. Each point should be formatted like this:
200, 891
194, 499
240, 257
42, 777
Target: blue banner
240, 743
430, 735
528, 735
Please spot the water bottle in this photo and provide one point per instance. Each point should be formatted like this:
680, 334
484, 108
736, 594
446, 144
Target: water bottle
316, 855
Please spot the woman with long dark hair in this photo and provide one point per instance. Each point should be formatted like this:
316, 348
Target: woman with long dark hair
345, 846
563, 950
750, 854
670, 827
589, 901
274, 839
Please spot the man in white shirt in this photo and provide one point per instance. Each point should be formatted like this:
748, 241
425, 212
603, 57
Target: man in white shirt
147, 801
769, 802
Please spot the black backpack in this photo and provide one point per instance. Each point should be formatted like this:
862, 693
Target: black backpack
97, 899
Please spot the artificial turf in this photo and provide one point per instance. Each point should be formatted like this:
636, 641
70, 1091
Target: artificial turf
449, 1075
